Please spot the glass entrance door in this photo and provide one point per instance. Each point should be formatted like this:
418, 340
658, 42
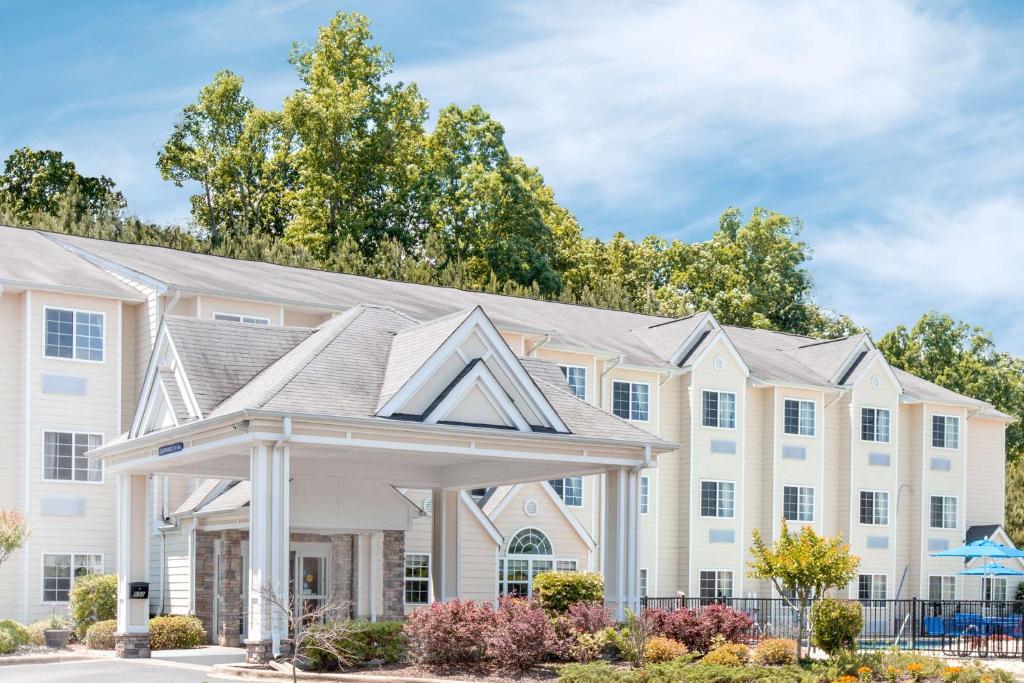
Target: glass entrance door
309, 578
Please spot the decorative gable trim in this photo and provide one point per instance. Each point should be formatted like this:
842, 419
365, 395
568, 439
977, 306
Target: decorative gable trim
481, 518
476, 375
500, 505
498, 352
573, 521
720, 335
163, 347
868, 360
706, 327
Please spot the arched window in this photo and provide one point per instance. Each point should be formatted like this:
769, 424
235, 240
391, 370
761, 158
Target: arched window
529, 542
528, 553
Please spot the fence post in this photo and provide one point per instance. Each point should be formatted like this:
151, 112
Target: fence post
913, 622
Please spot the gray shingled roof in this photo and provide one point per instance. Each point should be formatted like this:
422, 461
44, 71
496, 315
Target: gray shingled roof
235, 497
199, 494
924, 390
224, 356
411, 348
29, 258
339, 369
640, 339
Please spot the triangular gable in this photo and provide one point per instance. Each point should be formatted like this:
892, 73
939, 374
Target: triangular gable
854, 359
707, 343
507, 494
472, 359
167, 399
866, 362
697, 336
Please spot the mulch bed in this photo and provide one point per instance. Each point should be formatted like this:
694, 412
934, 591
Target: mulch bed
542, 672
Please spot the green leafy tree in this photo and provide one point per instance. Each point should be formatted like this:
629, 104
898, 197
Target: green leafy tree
802, 565
962, 358
43, 181
359, 143
484, 206
13, 532
238, 155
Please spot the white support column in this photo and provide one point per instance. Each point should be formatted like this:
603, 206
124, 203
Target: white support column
620, 545
268, 549
132, 638
445, 544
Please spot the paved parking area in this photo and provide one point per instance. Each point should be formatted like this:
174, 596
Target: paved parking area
170, 666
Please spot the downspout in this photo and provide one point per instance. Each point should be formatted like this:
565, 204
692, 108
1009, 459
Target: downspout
275, 627
173, 302
192, 557
542, 342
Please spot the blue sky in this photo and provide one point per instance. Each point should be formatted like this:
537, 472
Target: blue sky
893, 129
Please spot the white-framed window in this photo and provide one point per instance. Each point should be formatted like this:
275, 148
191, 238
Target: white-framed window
643, 583
528, 554
239, 318
871, 587
943, 512
874, 424
798, 503
945, 431
417, 578
715, 584
73, 334
874, 507
718, 409
60, 570
645, 495
576, 378
64, 457
993, 589
631, 400
570, 490
798, 417
942, 588
717, 498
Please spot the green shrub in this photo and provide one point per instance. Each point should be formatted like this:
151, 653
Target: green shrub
729, 654
556, 591
836, 624
775, 652
35, 632
8, 643
93, 598
100, 635
594, 672
18, 630
176, 632
364, 642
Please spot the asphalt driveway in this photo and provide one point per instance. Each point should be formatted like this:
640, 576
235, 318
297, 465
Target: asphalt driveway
184, 666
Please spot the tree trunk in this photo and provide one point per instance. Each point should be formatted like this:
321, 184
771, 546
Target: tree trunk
801, 621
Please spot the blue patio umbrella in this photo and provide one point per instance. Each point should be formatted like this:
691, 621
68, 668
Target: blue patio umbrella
981, 548
992, 569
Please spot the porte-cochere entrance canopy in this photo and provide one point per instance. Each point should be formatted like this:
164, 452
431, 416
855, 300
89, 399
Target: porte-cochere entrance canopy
325, 423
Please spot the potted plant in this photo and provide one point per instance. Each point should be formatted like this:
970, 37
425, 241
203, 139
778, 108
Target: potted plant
57, 632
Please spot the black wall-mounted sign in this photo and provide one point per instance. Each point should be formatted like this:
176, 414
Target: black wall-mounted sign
171, 448
138, 590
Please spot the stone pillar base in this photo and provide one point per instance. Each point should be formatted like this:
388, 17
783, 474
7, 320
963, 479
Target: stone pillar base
227, 639
131, 645
258, 651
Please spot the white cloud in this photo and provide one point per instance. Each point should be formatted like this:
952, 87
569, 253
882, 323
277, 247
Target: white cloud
608, 96
966, 262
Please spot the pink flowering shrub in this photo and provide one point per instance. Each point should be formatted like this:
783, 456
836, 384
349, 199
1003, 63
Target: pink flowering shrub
450, 634
520, 635
697, 629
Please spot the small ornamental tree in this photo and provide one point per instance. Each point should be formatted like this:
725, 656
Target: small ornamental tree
13, 532
802, 565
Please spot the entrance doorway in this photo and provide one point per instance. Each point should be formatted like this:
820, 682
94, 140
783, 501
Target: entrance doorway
309, 578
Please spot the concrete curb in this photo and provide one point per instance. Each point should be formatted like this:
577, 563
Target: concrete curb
243, 672
47, 659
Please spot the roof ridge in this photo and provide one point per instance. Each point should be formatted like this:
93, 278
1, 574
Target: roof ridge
303, 357
674, 320
830, 341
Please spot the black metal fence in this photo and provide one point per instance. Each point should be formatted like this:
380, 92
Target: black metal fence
959, 628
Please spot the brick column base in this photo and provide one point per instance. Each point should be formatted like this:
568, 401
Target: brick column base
131, 645
258, 651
